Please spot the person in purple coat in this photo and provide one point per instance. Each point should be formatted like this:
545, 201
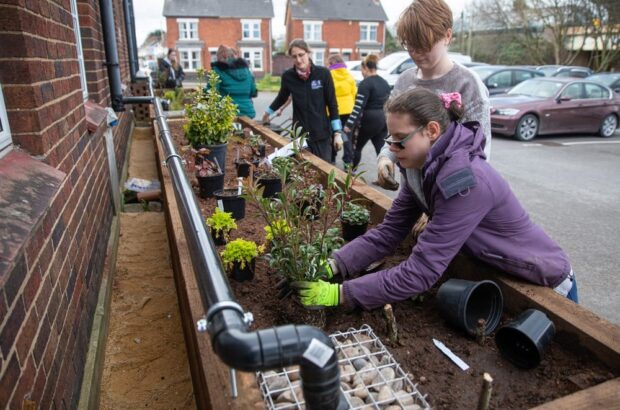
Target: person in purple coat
471, 208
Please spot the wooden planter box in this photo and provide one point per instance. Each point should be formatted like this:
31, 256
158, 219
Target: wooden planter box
575, 325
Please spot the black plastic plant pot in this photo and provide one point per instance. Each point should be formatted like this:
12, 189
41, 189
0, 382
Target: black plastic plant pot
219, 152
243, 169
245, 274
232, 202
524, 340
463, 303
261, 150
271, 186
218, 237
350, 232
210, 184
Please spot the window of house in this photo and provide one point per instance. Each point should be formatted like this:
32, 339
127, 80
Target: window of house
190, 59
313, 30
5, 132
78, 45
368, 32
365, 52
250, 29
213, 54
346, 54
318, 57
188, 29
254, 58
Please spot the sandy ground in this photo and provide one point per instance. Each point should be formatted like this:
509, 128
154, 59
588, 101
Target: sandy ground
145, 361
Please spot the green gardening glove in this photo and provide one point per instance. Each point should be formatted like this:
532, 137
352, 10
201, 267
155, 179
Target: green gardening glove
328, 268
318, 293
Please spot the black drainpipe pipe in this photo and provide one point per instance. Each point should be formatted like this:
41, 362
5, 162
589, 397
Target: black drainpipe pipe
111, 53
225, 320
132, 48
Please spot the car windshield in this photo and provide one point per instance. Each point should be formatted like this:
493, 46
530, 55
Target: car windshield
548, 71
537, 88
388, 61
483, 72
606, 79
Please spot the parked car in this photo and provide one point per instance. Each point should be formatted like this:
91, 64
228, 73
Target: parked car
565, 71
393, 65
355, 68
611, 80
555, 106
500, 79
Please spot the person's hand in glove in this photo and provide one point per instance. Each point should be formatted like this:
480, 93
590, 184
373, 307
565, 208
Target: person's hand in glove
266, 118
385, 174
328, 268
338, 143
316, 294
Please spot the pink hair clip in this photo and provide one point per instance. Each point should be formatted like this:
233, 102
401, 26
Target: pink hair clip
447, 99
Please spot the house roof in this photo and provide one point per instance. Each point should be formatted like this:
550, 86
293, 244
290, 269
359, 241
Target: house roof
359, 10
219, 8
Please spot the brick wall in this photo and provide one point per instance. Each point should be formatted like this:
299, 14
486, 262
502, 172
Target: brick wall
55, 205
216, 31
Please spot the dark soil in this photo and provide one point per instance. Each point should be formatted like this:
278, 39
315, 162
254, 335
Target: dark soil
560, 373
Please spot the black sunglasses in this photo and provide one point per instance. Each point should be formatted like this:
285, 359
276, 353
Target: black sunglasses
401, 143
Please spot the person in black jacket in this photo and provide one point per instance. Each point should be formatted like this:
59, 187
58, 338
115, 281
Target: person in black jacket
171, 71
314, 101
372, 93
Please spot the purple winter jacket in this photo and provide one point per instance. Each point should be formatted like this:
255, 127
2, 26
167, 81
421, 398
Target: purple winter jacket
472, 208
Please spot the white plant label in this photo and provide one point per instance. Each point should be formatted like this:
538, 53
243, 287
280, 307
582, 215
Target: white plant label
457, 360
287, 150
318, 352
220, 205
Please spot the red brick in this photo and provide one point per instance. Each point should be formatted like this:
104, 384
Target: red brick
11, 327
39, 386
24, 386
41, 342
44, 295
50, 350
14, 282
32, 287
26, 335
7, 382
3, 307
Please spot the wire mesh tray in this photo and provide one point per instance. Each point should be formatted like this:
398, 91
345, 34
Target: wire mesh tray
370, 378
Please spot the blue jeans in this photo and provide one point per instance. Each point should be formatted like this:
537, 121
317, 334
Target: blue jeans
572, 293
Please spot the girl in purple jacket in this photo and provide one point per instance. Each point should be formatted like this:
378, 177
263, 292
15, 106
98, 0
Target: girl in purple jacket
470, 207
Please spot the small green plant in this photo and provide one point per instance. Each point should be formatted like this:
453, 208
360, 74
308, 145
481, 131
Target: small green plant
354, 214
222, 223
239, 251
268, 83
210, 116
175, 97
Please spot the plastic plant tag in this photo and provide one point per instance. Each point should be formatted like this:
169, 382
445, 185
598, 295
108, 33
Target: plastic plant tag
318, 353
287, 150
457, 360
220, 204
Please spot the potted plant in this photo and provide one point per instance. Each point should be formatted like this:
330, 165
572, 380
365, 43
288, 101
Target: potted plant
231, 200
239, 258
271, 177
220, 224
245, 159
354, 221
209, 174
210, 117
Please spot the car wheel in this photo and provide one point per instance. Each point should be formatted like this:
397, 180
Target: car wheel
527, 128
608, 126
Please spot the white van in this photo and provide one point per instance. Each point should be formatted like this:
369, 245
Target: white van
391, 66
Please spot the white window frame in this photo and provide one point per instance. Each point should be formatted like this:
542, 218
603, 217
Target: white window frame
334, 51
252, 60
213, 54
190, 50
78, 45
313, 24
315, 59
254, 28
185, 34
365, 28
5, 132
363, 52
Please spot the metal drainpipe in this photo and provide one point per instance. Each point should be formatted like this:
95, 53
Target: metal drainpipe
132, 49
226, 321
111, 52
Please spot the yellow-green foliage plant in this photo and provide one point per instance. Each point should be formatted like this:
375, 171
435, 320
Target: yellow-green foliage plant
221, 223
241, 252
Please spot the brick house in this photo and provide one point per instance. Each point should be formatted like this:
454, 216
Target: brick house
56, 210
354, 28
197, 29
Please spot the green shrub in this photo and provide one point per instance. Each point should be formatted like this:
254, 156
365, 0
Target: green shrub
355, 214
240, 251
222, 223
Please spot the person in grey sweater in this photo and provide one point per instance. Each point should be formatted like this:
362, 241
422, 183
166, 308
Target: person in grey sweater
426, 31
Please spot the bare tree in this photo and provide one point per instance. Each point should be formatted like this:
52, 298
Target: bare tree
604, 40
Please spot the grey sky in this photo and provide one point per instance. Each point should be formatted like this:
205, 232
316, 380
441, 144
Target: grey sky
148, 14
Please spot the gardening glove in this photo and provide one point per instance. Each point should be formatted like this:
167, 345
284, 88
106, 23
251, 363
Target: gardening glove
338, 143
328, 268
319, 293
385, 174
